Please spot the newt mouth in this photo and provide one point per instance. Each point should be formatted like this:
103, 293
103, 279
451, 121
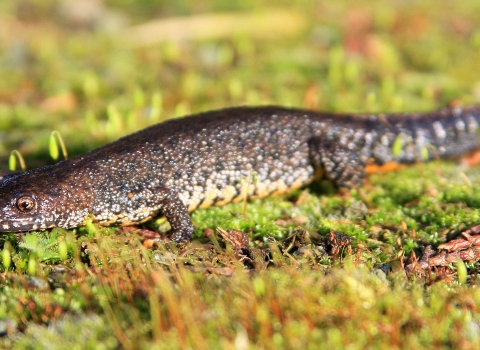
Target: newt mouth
18, 226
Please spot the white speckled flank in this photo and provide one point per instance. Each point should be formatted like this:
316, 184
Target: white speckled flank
218, 157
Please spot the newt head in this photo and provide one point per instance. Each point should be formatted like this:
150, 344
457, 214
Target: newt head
37, 200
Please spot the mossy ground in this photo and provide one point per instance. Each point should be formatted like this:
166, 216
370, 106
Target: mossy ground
93, 289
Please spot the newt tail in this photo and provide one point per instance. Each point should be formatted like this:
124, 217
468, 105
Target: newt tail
177, 166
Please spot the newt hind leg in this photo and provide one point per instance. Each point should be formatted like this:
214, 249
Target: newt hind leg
343, 166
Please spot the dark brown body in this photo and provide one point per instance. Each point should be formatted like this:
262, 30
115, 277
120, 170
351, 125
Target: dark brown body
208, 159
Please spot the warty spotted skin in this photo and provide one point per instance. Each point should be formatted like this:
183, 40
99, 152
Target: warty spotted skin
222, 156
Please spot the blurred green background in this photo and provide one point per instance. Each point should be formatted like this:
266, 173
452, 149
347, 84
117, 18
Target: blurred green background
84, 68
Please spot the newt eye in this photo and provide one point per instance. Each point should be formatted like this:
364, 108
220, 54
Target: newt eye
25, 203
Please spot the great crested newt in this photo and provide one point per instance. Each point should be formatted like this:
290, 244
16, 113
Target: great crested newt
194, 162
